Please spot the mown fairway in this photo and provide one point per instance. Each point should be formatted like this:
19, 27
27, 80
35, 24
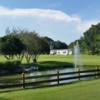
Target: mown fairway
87, 90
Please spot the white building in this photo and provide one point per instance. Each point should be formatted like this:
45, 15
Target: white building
61, 52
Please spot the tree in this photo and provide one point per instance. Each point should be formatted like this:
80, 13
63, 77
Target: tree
92, 39
10, 46
33, 45
60, 45
51, 44
45, 47
90, 42
49, 41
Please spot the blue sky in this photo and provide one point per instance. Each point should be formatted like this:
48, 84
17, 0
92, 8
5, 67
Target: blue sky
64, 20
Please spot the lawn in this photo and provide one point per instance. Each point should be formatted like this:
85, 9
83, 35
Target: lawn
67, 61
87, 90
58, 61
86, 59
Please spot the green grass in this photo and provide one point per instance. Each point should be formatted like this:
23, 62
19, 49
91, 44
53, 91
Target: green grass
55, 61
86, 59
87, 90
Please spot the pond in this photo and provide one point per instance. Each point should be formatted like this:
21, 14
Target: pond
66, 70
14, 79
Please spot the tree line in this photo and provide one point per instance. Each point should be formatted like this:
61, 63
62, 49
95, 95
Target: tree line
29, 45
90, 42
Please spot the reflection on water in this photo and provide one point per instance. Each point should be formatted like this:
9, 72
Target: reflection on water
5, 80
63, 76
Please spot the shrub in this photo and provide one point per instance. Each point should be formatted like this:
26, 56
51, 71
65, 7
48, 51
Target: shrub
10, 67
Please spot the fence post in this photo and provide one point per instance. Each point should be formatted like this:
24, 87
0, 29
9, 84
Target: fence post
23, 79
78, 71
96, 71
58, 77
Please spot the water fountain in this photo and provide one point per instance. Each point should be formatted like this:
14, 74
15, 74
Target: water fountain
77, 56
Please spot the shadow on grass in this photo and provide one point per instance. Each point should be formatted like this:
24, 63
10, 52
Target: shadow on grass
38, 87
48, 65
33, 87
1, 98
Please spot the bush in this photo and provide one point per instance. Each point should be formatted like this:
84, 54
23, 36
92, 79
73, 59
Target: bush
10, 67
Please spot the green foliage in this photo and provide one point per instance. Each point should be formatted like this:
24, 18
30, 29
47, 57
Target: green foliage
10, 67
45, 47
49, 41
32, 42
51, 44
92, 39
60, 45
22, 43
10, 45
90, 42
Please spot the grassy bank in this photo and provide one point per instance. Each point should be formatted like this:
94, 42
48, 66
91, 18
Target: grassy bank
86, 59
55, 61
87, 90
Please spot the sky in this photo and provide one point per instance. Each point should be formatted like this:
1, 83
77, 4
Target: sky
64, 20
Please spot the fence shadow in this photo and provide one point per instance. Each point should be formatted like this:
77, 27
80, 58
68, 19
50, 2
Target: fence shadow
36, 87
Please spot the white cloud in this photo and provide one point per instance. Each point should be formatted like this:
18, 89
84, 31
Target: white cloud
85, 25
56, 15
54, 23
44, 13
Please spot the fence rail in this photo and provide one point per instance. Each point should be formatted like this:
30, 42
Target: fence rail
25, 80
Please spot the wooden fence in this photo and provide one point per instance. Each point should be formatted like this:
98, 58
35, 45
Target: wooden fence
25, 80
